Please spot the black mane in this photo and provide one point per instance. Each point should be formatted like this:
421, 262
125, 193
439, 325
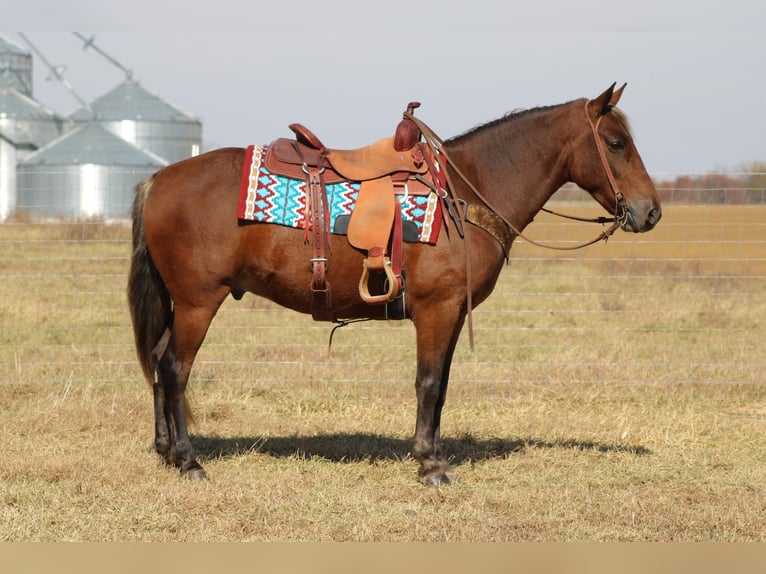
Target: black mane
507, 118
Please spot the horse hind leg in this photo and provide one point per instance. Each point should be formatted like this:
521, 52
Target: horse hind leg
190, 325
161, 429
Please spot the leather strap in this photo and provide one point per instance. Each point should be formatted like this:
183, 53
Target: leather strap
321, 303
436, 144
377, 260
434, 148
396, 248
317, 223
486, 219
441, 181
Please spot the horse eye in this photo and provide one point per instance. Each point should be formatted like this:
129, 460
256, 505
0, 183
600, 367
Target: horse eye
616, 145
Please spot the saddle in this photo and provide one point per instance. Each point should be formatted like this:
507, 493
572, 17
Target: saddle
383, 168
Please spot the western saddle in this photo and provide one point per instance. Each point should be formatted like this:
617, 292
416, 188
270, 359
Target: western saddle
401, 162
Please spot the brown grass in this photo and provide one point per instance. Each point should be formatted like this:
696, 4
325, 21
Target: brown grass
615, 394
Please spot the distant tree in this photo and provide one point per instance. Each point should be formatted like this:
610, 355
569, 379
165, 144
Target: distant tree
718, 188
754, 183
747, 186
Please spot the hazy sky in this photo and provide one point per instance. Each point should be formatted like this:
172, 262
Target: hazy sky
696, 69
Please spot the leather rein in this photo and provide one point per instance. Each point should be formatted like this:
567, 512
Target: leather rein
620, 216
440, 155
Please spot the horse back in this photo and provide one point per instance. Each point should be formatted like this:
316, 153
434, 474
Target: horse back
198, 243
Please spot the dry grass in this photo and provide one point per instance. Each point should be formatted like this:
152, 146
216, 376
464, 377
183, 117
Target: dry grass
616, 394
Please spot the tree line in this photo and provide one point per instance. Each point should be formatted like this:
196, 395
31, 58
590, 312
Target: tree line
746, 186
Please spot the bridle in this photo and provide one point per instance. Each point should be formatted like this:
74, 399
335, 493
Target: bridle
436, 146
620, 212
618, 220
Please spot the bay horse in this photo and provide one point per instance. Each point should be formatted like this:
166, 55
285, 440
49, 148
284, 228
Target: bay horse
190, 252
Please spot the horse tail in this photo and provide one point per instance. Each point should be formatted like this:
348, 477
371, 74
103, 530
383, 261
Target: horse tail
151, 307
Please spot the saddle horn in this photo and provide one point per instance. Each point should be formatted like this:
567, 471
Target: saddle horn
407, 132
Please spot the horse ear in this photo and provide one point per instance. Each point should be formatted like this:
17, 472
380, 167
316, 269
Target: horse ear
616, 95
603, 103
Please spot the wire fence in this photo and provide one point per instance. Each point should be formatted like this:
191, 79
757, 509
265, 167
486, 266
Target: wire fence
681, 304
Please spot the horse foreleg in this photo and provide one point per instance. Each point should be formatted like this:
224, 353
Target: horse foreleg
437, 336
189, 328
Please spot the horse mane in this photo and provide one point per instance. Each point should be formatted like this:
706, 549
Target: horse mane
520, 113
509, 117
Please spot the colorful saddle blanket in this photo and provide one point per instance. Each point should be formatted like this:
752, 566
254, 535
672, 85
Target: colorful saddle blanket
268, 198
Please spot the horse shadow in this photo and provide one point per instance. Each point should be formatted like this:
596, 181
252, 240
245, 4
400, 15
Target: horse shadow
356, 447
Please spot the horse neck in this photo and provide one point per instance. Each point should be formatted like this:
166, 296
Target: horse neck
518, 162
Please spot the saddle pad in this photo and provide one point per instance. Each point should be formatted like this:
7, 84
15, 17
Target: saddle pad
268, 198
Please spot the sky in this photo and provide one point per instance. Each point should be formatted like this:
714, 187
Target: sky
696, 69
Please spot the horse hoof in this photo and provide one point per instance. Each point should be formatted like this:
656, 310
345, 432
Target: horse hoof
195, 474
440, 477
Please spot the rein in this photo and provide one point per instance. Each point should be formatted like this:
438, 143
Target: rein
621, 214
436, 146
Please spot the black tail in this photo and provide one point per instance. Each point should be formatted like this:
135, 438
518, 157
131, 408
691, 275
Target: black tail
150, 305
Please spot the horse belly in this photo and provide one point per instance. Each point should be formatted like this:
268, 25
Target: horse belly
278, 268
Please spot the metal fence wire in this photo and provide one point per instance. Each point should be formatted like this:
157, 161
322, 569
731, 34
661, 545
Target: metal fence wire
681, 304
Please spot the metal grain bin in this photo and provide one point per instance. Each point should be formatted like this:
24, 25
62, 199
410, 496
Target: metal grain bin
25, 126
89, 172
7, 177
26, 122
145, 120
15, 66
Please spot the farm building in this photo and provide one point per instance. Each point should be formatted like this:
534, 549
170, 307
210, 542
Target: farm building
7, 177
25, 124
145, 120
88, 172
85, 165
16, 66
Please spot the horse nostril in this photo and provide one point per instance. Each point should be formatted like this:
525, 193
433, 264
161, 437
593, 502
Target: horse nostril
654, 216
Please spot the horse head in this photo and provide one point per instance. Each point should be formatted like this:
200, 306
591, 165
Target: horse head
607, 165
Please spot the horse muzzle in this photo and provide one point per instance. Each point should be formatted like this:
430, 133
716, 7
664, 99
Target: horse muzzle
640, 219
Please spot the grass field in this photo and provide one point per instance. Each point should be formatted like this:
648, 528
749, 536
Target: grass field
616, 393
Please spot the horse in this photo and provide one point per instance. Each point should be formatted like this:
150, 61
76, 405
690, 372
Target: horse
190, 253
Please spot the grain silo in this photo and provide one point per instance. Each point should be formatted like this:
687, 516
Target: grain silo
89, 172
7, 177
15, 66
145, 120
25, 124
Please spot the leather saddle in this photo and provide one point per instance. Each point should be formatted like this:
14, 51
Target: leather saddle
381, 168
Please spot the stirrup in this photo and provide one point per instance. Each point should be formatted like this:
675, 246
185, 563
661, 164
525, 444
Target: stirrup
392, 280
